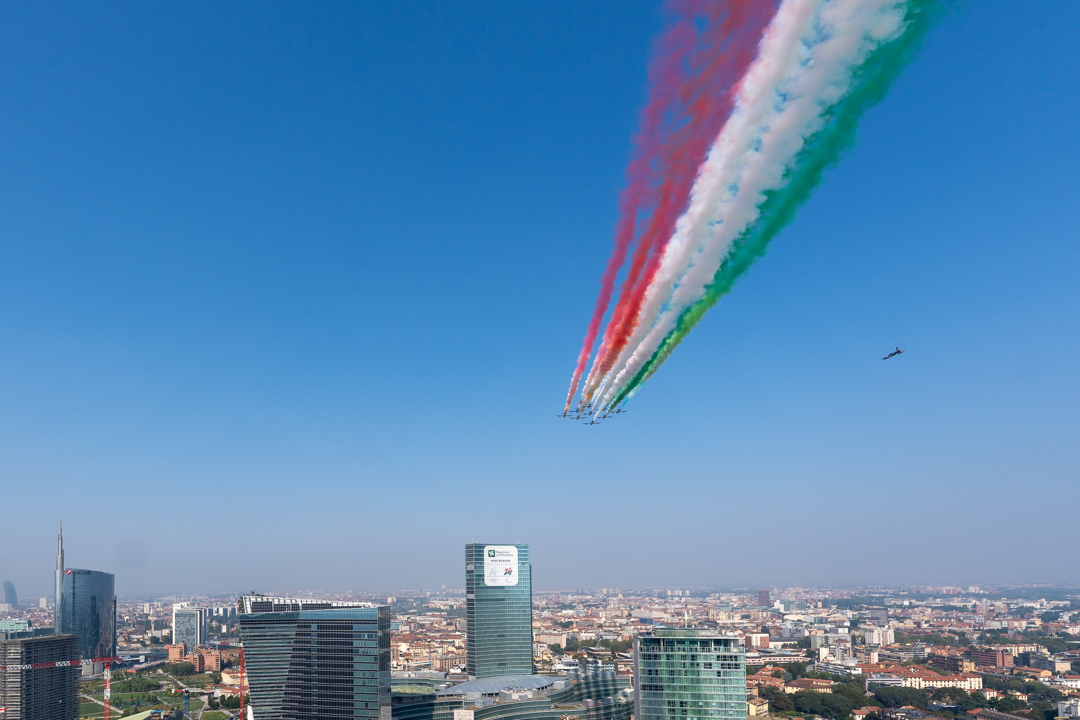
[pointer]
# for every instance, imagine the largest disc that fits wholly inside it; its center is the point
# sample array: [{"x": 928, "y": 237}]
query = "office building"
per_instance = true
[
  {"x": 878, "y": 615},
  {"x": 86, "y": 608},
  {"x": 498, "y": 610},
  {"x": 689, "y": 674},
  {"x": 50, "y": 693},
  {"x": 763, "y": 598},
  {"x": 10, "y": 596},
  {"x": 316, "y": 660},
  {"x": 189, "y": 626}
]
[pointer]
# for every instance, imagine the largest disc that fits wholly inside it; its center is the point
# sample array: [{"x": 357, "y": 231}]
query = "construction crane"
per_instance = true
[
  {"x": 107, "y": 676},
  {"x": 108, "y": 661}
]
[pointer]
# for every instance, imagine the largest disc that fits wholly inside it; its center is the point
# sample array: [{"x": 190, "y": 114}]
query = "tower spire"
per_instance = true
[{"x": 59, "y": 585}]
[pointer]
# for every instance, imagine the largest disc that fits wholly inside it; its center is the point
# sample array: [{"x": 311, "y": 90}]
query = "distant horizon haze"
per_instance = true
[{"x": 291, "y": 294}]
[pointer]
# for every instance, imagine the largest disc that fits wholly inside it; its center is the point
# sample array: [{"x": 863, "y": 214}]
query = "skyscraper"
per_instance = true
[
  {"x": 763, "y": 598},
  {"x": 41, "y": 693},
  {"x": 85, "y": 607},
  {"x": 189, "y": 626},
  {"x": 689, "y": 674},
  {"x": 59, "y": 585},
  {"x": 10, "y": 596},
  {"x": 315, "y": 659},
  {"x": 498, "y": 610}
]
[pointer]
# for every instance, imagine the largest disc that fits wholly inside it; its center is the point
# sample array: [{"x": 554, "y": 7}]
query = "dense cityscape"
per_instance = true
[{"x": 499, "y": 649}]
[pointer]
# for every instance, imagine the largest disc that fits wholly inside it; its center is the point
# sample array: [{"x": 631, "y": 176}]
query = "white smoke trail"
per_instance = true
[{"x": 804, "y": 66}]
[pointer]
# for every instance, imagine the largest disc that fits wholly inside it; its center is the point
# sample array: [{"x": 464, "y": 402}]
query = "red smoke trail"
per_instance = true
[
  {"x": 722, "y": 50},
  {"x": 665, "y": 77}
]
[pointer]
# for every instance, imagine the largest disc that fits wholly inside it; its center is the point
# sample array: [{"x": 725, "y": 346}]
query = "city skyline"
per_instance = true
[
  {"x": 33, "y": 595},
  {"x": 284, "y": 262}
]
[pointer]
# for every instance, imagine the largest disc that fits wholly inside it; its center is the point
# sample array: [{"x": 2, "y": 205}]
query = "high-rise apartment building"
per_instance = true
[
  {"x": 498, "y": 610},
  {"x": 86, "y": 608},
  {"x": 189, "y": 626},
  {"x": 763, "y": 598},
  {"x": 689, "y": 674},
  {"x": 50, "y": 693},
  {"x": 315, "y": 659}
]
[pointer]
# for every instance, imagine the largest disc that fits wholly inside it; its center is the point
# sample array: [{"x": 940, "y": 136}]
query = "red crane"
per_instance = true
[{"x": 72, "y": 663}]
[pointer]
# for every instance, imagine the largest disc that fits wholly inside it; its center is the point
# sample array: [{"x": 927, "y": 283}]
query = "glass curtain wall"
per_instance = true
[
  {"x": 498, "y": 610},
  {"x": 88, "y": 611},
  {"x": 330, "y": 664},
  {"x": 689, "y": 674}
]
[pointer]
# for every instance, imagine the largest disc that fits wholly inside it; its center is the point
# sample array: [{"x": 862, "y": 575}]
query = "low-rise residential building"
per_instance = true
[
  {"x": 811, "y": 684},
  {"x": 757, "y": 706}
]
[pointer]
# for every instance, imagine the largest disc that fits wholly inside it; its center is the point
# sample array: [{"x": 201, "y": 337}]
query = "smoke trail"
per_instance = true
[
  {"x": 863, "y": 45},
  {"x": 726, "y": 36},
  {"x": 665, "y": 77}
]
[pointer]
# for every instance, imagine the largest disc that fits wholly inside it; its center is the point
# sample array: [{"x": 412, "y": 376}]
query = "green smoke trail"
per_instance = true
[{"x": 870, "y": 84}]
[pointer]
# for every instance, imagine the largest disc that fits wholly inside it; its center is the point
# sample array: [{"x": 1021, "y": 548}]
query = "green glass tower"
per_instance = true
[
  {"x": 498, "y": 610},
  {"x": 689, "y": 674}
]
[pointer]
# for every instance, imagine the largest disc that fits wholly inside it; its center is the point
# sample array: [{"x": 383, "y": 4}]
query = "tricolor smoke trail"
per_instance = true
[{"x": 743, "y": 119}]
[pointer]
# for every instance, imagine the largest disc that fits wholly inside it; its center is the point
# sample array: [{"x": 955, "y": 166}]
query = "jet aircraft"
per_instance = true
[{"x": 894, "y": 353}]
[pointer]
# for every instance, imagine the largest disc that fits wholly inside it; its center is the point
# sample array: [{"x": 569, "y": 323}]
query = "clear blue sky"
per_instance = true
[{"x": 290, "y": 295}]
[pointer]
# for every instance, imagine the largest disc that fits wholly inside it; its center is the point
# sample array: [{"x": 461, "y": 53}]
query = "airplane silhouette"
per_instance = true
[{"x": 894, "y": 353}]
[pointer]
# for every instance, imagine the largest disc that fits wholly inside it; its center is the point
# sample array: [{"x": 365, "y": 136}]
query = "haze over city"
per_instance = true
[{"x": 290, "y": 296}]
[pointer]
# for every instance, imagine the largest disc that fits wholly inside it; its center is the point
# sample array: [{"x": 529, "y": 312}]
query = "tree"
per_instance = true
[
  {"x": 779, "y": 701},
  {"x": 181, "y": 668},
  {"x": 809, "y": 702},
  {"x": 135, "y": 685},
  {"x": 797, "y": 670},
  {"x": 1041, "y": 710},
  {"x": 1006, "y": 704},
  {"x": 898, "y": 696}
]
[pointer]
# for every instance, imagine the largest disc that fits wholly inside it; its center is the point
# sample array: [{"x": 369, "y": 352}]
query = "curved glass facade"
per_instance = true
[
  {"x": 688, "y": 674},
  {"x": 498, "y": 610},
  {"x": 10, "y": 596},
  {"x": 88, "y": 611},
  {"x": 599, "y": 696}
]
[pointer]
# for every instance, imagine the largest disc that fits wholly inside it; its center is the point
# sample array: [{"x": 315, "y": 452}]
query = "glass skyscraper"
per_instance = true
[
  {"x": 689, "y": 674},
  {"x": 88, "y": 611},
  {"x": 316, "y": 660},
  {"x": 85, "y": 607},
  {"x": 189, "y": 626},
  {"x": 498, "y": 610},
  {"x": 10, "y": 596}
]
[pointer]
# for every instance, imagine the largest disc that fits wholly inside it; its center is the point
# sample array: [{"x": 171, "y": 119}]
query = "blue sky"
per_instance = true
[{"x": 290, "y": 295}]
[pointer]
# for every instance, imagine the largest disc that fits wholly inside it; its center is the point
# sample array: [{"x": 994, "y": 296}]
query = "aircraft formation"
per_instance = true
[{"x": 587, "y": 415}]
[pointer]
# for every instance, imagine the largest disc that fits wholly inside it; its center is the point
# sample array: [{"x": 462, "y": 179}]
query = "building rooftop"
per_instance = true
[
  {"x": 263, "y": 603},
  {"x": 494, "y": 685}
]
